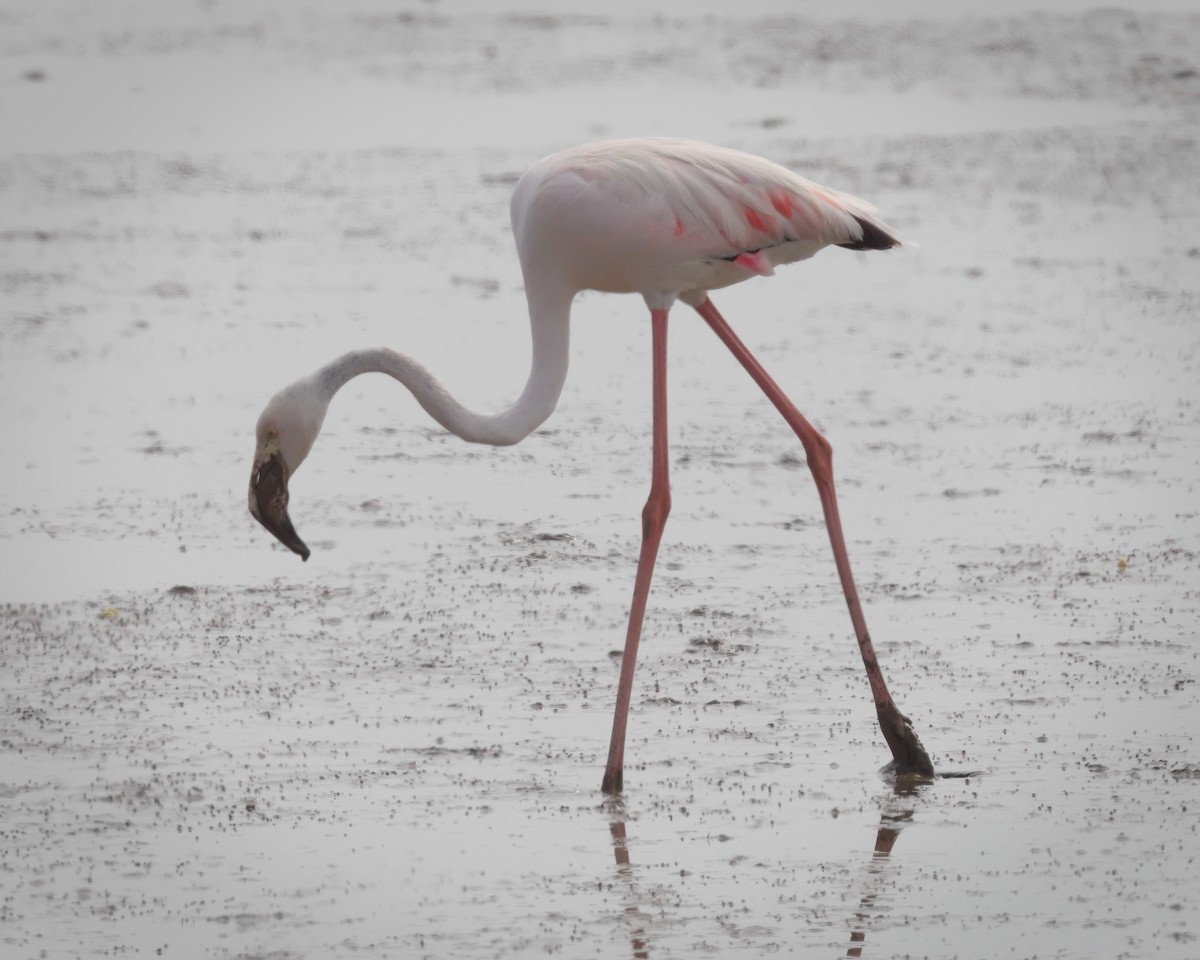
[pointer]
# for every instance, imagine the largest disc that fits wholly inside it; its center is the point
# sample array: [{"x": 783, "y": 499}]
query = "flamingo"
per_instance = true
[{"x": 668, "y": 219}]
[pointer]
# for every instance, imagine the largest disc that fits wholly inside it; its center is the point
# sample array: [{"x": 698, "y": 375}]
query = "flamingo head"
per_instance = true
[{"x": 285, "y": 434}]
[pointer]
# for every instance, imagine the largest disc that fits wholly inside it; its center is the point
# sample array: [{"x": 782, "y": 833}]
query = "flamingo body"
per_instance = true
[
  {"x": 670, "y": 220},
  {"x": 673, "y": 219}
]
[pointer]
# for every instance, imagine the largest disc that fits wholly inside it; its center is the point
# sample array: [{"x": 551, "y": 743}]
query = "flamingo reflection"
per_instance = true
[{"x": 637, "y": 926}]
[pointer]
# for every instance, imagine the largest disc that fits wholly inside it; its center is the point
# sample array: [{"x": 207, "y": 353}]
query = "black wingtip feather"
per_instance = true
[{"x": 874, "y": 237}]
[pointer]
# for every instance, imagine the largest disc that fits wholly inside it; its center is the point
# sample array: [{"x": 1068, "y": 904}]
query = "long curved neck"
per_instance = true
[{"x": 549, "y": 316}]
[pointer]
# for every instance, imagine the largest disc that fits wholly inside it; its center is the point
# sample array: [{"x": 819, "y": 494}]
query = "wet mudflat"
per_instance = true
[{"x": 212, "y": 750}]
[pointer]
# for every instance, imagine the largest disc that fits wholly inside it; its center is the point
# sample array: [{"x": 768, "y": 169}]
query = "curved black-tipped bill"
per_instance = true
[{"x": 269, "y": 501}]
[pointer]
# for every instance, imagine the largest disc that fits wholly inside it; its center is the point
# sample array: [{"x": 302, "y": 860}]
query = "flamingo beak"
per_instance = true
[{"x": 269, "y": 501}]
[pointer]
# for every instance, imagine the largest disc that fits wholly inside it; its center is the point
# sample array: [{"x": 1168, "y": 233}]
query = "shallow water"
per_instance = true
[{"x": 213, "y": 750}]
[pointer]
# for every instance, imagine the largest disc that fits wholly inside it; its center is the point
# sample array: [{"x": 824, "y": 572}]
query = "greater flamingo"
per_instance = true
[{"x": 671, "y": 220}]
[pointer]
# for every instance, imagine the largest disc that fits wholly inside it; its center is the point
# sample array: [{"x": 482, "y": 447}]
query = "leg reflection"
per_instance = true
[
  {"x": 896, "y": 814},
  {"x": 633, "y": 914}
]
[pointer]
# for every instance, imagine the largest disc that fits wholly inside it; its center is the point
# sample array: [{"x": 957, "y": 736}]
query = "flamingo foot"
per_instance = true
[
  {"x": 908, "y": 755},
  {"x": 614, "y": 783}
]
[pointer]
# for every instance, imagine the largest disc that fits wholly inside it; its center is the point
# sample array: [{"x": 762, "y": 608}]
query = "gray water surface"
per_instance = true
[{"x": 212, "y": 750}]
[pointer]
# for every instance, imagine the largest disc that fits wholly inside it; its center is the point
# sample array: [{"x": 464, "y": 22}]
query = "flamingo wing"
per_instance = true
[
  {"x": 663, "y": 217},
  {"x": 733, "y": 201}
]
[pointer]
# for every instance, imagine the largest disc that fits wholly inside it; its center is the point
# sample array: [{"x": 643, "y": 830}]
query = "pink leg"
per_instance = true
[
  {"x": 907, "y": 753},
  {"x": 654, "y": 518}
]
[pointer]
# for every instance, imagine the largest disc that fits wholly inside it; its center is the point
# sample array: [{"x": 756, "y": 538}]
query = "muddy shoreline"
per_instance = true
[{"x": 212, "y": 750}]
